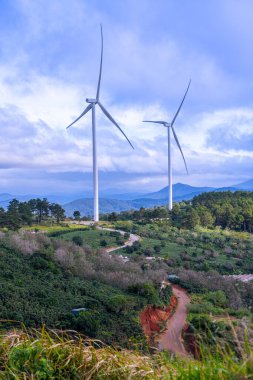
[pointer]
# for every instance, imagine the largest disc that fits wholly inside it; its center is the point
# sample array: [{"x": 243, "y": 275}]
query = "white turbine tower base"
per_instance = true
[
  {"x": 169, "y": 171},
  {"x": 92, "y": 106},
  {"x": 170, "y": 128}
]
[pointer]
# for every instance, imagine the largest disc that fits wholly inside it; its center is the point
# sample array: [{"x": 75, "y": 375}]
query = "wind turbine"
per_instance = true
[
  {"x": 92, "y": 106},
  {"x": 170, "y": 126}
]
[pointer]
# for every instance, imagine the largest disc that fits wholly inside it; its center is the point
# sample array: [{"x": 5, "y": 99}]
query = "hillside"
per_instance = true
[
  {"x": 51, "y": 355},
  {"x": 159, "y": 198},
  {"x": 179, "y": 190},
  {"x": 42, "y": 279},
  {"x": 85, "y": 206}
]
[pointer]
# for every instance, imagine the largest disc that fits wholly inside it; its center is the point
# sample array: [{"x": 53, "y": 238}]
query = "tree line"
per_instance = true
[
  {"x": 226, "y": 209},
  {"x": 36, "y": 210}
]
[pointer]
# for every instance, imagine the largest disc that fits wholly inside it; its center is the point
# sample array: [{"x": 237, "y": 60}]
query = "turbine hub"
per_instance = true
[{"x": 91, "y": 100}]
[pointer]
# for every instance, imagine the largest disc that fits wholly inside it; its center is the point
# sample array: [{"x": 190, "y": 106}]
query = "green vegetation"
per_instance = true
[
  {"x": 49, "y": 269},
  {"x": 52, "y": 355},
  {"x": 91, "y": 237},
  {"x": 224, "y": 209},
  {"x": 25, "y": 213},
  {"x": 227, "y": 252},
  {"x": 43, "y": 279}
]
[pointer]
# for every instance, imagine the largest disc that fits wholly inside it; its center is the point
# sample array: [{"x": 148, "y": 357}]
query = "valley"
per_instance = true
[{"x": 115, "y": 271}]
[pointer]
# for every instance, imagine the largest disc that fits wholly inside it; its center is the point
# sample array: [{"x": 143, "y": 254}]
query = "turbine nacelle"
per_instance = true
[
  {"x": 171, "y": 125},
  {"x": 88, "y": 100},
  {"x": 93, "y": 102}
]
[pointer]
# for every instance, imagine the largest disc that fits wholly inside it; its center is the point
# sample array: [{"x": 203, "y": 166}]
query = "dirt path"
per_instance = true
[
  {"x": 171, "y": 338},
  {"x": 128, "y": 243}
]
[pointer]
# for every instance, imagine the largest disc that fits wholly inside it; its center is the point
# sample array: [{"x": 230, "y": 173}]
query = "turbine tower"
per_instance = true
[
  {"x": 92, "y": 106},
  {"x": 170, "y": 127}
]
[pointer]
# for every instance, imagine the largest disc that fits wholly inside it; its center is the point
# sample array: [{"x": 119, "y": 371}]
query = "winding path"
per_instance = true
[
  {"x": 171, "y": 339},
  {"x": 128, "y": 243}
]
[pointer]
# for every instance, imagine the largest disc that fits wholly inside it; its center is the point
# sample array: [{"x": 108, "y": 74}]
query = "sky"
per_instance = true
[{"x": 49, "y": 62}]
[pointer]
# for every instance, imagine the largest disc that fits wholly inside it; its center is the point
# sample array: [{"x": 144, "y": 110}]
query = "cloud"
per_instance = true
[{"x": 49, "y": 65}]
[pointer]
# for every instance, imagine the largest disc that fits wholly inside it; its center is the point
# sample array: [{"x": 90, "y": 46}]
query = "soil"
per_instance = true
[{"x": 171, "y": 339}]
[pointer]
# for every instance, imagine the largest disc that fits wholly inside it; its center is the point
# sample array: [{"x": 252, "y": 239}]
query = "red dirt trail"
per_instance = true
[
  {"x": 153, "y": 318},
  {"x": 171, "y": 339}
]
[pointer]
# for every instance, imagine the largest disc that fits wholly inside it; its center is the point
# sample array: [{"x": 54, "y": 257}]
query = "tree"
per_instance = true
[
  {"x": 13, "y": 218},
  {"x": 25, "y": 213},
  {"x": 103, "y": 243},
  {"x": 112, "y": 217},
  {"x": 2, "y": 217},
  {"x": 206, "y": 218},
  {"x": 191, "y": 219},
  {"x": 77, "y": 215},
  {"x": 78, "y": 240},
  {"x": 57, "y": 211},
  {"x": 39, "y": 207}
]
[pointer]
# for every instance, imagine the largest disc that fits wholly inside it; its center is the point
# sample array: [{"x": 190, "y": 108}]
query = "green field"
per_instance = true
[
  {"x": 54, "y": 227},
  {"x": 227, "y": 252},
  {"x": 95, "y": 238}
]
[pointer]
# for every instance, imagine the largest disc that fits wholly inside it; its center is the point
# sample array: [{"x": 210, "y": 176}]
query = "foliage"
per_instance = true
[
  {"x": 227, "y": 252},
  {"x": 43, "y": 279},
  {"x": 25, "y": 213},
  {"x": 226, "y": 209},
  {"x": 91, "y": 237},
  {"x": 56, "y": 355}
]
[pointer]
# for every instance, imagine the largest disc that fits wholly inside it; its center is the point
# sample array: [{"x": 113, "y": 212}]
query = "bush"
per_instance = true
[
  {"x": 78, "y": 240},
  {"x": 217, "y": 298},
  {"x": 88, "y": 321},
  {"x": 147, "y": 291},
  {"x": 103, "y": 243}
]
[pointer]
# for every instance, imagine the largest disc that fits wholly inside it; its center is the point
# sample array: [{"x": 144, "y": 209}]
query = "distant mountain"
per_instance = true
[
  {"x": 85, "y": 205},
  {"x": 159, "y": 198},
  {"x": 5, "y": 198},
  {"x": 121, "y": 202},
  {"x": 229, "y": 188},
  {"x": 248, "y": 185},
  {"x": 179, "y": 190},
  {"x": 124, "y": 196}
]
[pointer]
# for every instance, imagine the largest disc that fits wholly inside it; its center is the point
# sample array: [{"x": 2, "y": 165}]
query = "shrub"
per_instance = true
[
  {"x": 78, "y": 240},
  {"x": 23, "y": 244},
  {"x": 103, "y": 243}
]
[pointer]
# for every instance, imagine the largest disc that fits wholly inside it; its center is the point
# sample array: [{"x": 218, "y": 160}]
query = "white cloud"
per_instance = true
[{"x": 45, "y": 80}]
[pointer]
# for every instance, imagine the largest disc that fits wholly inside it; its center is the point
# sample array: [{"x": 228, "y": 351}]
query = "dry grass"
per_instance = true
[{"x": 59, "y": 355}]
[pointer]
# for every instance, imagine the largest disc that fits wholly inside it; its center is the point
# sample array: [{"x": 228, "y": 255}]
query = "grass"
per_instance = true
[
  {"x": 35, "y": 290},
  {"x": 227, "y": 252},
  {"x": 56, "y": 355},
  {"x": 93, "y": 238},
  {"x": 54, "y": 227}
]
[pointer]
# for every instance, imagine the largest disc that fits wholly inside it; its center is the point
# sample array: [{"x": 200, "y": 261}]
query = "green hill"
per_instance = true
[{"x": 43, "y": 279}]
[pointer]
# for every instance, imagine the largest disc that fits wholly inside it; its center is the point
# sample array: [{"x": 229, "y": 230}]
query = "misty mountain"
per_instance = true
[
  {"x": 179, "y": 190},
  {"x": 159, "y": 198},
  {"x": 248, "y": 185},
  {"x": 111, "y": 201},
  {"x": 124, "y": 202}
]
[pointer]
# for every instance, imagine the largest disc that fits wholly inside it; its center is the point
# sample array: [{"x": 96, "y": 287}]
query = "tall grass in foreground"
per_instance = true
[{"x": 58, "y": 355}]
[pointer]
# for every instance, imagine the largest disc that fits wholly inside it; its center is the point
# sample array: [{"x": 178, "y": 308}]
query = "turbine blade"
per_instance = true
[
  {"x": 114, "y": 122},
  {"x": 174, "y": 119},
  {"x": 82, "y": 114},
  {"x": 175, "y": 136},
  {"x": 152, "y": 121},
  {"x": 101, "y": 64}
]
